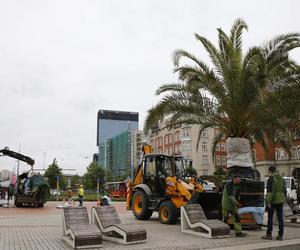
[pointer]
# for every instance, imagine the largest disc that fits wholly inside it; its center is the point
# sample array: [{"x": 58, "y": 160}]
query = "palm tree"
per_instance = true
[{"x": 255, "y": 95}]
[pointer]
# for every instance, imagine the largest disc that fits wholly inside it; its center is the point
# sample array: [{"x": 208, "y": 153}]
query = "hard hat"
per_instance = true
[{"x": 81, "y": 185}]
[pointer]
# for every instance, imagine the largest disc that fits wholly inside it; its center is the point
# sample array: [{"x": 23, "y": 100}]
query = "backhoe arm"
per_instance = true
[{"x": 16, "y": 155}]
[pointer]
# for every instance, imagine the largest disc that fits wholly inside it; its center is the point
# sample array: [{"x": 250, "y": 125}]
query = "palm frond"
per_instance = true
[{"x": 236, "y": 33}]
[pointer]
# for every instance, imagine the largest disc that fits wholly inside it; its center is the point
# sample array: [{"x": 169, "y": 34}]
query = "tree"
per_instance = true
[
  {"x": 94, "y": 171},
  {"x": 109, "y": 175},
  {"x": 76, "y": 180},
  {"x": 255, "y": 95},
  {"x": 52, "y": 172}
]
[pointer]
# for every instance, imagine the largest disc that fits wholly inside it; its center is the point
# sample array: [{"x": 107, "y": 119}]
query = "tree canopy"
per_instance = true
[
  {"x": 52, "y": 172},
  {"x": 253, "y": 95},
  {"x": 94, "y": 171}
]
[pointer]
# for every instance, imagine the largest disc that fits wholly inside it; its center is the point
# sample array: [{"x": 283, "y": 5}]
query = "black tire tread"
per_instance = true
[
  {"x": 172, "y": 211},
  {"x": 146, "y": 212}
]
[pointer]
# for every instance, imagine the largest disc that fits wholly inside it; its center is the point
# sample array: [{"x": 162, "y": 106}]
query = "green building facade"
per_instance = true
[{"x": 115, "y": 155}]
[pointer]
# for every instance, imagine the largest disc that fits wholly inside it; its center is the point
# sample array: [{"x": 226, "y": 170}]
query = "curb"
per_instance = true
[{"x": 293, "y": 244}]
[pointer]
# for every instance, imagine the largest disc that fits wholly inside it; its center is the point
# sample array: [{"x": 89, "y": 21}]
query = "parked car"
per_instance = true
[{"x": 55, "y": 192}]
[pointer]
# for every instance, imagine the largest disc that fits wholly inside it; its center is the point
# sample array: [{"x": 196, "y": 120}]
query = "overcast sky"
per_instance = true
[{"x": 61, "y": 61}]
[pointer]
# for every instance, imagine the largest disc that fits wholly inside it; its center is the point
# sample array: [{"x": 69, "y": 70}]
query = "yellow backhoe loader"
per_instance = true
[{"x": 160, "y": 185}]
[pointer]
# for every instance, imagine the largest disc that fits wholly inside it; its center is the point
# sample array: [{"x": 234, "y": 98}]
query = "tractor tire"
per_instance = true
[
  {"x": 168, "y": 213},
  {"x": 140, "y": 204}
]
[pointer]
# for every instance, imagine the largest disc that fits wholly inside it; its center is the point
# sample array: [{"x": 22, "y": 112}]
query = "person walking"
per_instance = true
[
  {"x": 230, "y": 204},
  {"x": 81, "y": 195},
  {"x": 276, "y": 197}
]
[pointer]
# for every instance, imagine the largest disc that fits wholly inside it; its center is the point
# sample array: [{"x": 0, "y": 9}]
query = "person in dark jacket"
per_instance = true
[
  {"x": 276, "y": 197},
  {"x": 230, "y": 204}
]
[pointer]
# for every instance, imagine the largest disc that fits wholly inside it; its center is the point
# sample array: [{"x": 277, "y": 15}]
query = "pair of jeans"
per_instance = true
[{"x": 279, "y": 211}]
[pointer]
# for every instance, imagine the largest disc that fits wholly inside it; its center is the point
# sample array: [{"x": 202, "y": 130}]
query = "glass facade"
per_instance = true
[
  {"x": 114, "y": 129},
  {"x": 112, "y": 123},
  {"x": 116, "y": 153}
]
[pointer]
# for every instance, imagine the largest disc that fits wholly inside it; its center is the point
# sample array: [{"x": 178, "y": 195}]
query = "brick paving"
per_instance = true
[{"x": 41, "y": 228}]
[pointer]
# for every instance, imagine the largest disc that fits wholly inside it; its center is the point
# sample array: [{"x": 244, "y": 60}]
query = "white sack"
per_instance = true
[{"x": 238, "y": 152}]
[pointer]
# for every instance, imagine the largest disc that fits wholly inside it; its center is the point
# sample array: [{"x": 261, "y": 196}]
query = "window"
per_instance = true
[
  {"x": 177, "y": 136},
  {"x": 204, "y": 159},
  {"x": 296, "y": 134},
  {"x": 186, "y": 133},
  {"x": 218, "y": 160},
  {"x": 164, "y": 166},
  {"x": 150, "y": 167},
  {"x": 205, "y": 171},
  {"x": 176, "y": 149},
  {"x": 204, "y": 146},
  {"x": 223, "y": 160},
  {"x": 277, "y": 154},
  {"x": 170, "y": 139},
  {"x": 296, "y": 152},
  {"x": 217, "y": 131},
  {"x": 280, "y": 154},
  {"x": 218, "y": 147},
  {"x": 179, "y": 149},
  {"x": 186, "y": 147},
  {"x": 223, "y": 146},
  {"x": 204, "y": 133}
]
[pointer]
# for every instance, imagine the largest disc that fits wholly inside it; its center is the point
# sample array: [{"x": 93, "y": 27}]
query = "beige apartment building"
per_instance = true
[{"x": 182, "y": 140}]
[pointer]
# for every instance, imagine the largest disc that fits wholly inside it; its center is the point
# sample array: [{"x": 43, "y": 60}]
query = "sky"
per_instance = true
[{"x": 63, "y": 60}]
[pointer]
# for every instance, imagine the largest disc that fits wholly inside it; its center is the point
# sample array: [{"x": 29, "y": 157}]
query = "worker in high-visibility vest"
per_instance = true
[{"x": 80, "y": 195}]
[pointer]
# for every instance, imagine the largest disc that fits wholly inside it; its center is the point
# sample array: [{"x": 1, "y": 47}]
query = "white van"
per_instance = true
[{"x": 291, "y": 189}]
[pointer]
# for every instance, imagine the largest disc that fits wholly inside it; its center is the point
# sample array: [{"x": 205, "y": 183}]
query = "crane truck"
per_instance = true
[{"x": 31, "y": 189}]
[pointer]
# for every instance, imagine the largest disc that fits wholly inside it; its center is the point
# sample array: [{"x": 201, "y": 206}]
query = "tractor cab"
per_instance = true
[
  {"x": 180, "y": 166},
  {"x": 156, "y": 168}
]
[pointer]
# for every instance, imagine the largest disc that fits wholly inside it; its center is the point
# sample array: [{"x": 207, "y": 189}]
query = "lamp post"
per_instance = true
[
  {"x": 18, "y": 166},
  {"x": 132, "y": 155},
  {"x": 98, "y": 200},
  {"x": 57, "y": 187}
]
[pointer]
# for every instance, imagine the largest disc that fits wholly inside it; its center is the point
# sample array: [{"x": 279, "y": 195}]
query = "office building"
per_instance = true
[{"x": 111, "y": 123}]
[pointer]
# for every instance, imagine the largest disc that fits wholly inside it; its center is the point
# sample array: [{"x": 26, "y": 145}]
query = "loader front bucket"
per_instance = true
[{"x": 210, "y": 202}]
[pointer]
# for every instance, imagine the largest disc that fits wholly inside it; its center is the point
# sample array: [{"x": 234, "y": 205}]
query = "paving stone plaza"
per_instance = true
[{"x": 41, "y": 228}]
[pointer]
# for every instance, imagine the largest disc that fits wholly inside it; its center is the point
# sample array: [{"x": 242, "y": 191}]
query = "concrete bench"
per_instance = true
[
  {"x": 77, "y": 230},
  {"x": 108, "y": 221},
  {"x": 194, "y": 221}
]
